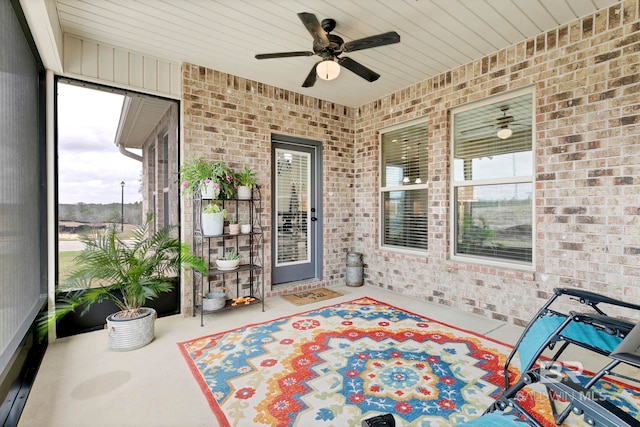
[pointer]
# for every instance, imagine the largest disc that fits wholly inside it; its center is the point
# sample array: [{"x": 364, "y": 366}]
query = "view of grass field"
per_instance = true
[
  {"x": 70, "y": 246},
  {"x": 65, "y": 264}
]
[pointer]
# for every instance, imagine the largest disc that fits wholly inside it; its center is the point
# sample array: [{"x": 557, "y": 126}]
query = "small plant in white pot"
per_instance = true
[
  {"x": 245, "y": 227},
  {"x": 230, "y": 261},
  {"x": 246, "y": 180},
  {"x": 213, "y": 217}
]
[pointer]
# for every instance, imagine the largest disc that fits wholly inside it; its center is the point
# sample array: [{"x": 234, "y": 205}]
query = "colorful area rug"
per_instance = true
[
  {"x": 314, "y": 295},
  {"x": 338, "y": 365}
]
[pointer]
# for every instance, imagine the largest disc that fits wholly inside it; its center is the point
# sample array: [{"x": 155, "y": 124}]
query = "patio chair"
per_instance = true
[
  {"x": 595, "y": 410},
  {"x": 627, "y": 352},
  {"x": 595, "y": 331}
]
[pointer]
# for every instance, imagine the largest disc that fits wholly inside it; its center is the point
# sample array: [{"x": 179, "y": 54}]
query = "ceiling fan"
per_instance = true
[
  {"x": 504, "y": 124},
  {"x": 330, "y": 46}
]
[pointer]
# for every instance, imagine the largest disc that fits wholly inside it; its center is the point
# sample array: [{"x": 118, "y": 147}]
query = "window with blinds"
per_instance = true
[
  {"x": 403, "y": 189},
  {"x": 492, "y": 212}
]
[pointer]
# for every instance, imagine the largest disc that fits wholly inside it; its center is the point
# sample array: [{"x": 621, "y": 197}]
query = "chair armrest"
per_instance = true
[
  {"x": 595, "y": 409},
  {"x": 592, "y": 299},
  {"x": 611, "y": 325},
  {"x": 629, "y": 349}
]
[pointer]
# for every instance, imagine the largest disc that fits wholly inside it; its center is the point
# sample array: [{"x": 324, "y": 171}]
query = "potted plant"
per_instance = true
[
  {"x": 234, "y": 227},
  {"x": 195, "y": 172},
  {"x": 227, "y": 180},
  {"x": 213, "y": 217},
  {"x": 245, "y": 227},
  {"x": 230, "y": 261},
  {"x": 246, "y": 180},
  {"x": 127, "y": 273}
]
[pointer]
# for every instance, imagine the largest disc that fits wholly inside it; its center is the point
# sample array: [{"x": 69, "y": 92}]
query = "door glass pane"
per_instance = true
[{"x": 291, "y": 202}]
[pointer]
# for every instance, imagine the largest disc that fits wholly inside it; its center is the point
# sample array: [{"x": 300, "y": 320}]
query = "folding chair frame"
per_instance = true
[{"x": 610, "y": 325}]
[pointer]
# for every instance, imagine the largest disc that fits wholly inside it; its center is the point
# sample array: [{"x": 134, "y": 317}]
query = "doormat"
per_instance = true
[{"x": 307, "y": 297}]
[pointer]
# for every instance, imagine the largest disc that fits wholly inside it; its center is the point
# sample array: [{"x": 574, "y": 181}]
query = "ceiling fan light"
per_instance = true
[
  {"x": 328, "y": 69},
  {"x": 504, "y": 133}
]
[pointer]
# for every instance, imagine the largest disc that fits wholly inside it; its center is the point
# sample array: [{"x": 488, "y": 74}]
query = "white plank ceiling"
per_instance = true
[{"x": 436, "y": 35}]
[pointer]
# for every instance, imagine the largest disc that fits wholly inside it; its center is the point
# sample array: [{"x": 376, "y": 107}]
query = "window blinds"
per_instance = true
[{"x": 404, "y": 158}]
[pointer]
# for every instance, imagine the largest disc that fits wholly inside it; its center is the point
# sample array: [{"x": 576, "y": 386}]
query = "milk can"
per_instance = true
[{"x": 353, "y": 273}]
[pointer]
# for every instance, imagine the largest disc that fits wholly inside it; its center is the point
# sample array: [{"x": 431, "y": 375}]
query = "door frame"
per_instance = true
[{"x": 315, "y": 227}]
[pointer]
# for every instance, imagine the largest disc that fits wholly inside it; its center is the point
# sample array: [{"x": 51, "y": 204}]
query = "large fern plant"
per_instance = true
[{"x": 128, "y": 273}]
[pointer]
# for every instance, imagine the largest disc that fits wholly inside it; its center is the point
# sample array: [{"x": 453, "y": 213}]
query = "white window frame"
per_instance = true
[
  {"x": 411, "y": 187},
  {"x": 514, "y": 264}
]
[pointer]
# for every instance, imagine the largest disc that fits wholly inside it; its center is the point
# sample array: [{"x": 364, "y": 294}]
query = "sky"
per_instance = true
[{"x": 90, "y": 167}]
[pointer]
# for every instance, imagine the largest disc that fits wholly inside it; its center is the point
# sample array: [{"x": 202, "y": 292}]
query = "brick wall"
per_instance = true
[
  {"x": 587, "y": 106},
  {"x": 153, "y": 170},
  {"x": 232, "y": 119},
  {"x": 587, "y": 81}
]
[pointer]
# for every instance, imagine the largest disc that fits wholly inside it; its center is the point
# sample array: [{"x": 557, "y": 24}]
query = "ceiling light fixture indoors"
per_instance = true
[
  {"x": 504, "y": 133},
  {"x": 328, "y": 69}
]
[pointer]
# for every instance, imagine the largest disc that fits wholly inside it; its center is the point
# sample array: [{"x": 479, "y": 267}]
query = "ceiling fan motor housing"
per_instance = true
[{"x": 334, "y": 49}]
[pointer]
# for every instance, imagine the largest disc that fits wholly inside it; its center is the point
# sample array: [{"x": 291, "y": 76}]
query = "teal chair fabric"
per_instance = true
[
  {"x": 496, "y": 419},
  {"x": 575, "y": 332},
  {"x": 588, "y": 327}
]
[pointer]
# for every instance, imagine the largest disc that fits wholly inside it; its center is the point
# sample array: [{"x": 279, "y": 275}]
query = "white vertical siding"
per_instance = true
[{"x": 106, "y": 64}]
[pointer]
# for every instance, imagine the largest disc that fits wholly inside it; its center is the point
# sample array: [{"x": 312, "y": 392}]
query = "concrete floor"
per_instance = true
[{"x": 82, "y": 383}]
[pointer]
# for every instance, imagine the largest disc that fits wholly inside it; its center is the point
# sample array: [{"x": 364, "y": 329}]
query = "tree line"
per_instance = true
[{"x": 96, "y": 212}]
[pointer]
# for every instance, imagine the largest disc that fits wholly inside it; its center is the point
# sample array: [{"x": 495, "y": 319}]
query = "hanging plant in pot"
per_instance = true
[
  {"x": 127, "y": 273},
  {"x": 246, "y": 180},
  {"x": 213, "y": 217}
]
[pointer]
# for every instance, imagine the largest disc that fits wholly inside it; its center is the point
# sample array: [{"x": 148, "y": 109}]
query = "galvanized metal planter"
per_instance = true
[{"x": 130, "y": 334}]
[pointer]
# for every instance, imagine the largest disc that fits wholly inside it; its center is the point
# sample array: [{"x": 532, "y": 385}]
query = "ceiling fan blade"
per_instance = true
[
  {"x": 372, "y": 41},
  {"x": 315, "y": 29},
  {"x": 283, "y": 54},
  {"x": 359, "y": 69},
  {"x": 312, "y": 77},
  {"x": 481, "y": 128}
]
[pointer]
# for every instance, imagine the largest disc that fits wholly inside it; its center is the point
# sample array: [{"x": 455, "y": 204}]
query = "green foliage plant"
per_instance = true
[
  {"x": 247, "y": 177},
  {"x": 127, "y": 273},
  {"x": 227, "y": 179},
  {"x": 215, "y": 208},
  {"x": 194, "y": 172},
  {"x": 231, "y": 254}
]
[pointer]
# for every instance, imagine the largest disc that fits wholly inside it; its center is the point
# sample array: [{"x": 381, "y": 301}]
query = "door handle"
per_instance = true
[{"x": 313, "y": 218}]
